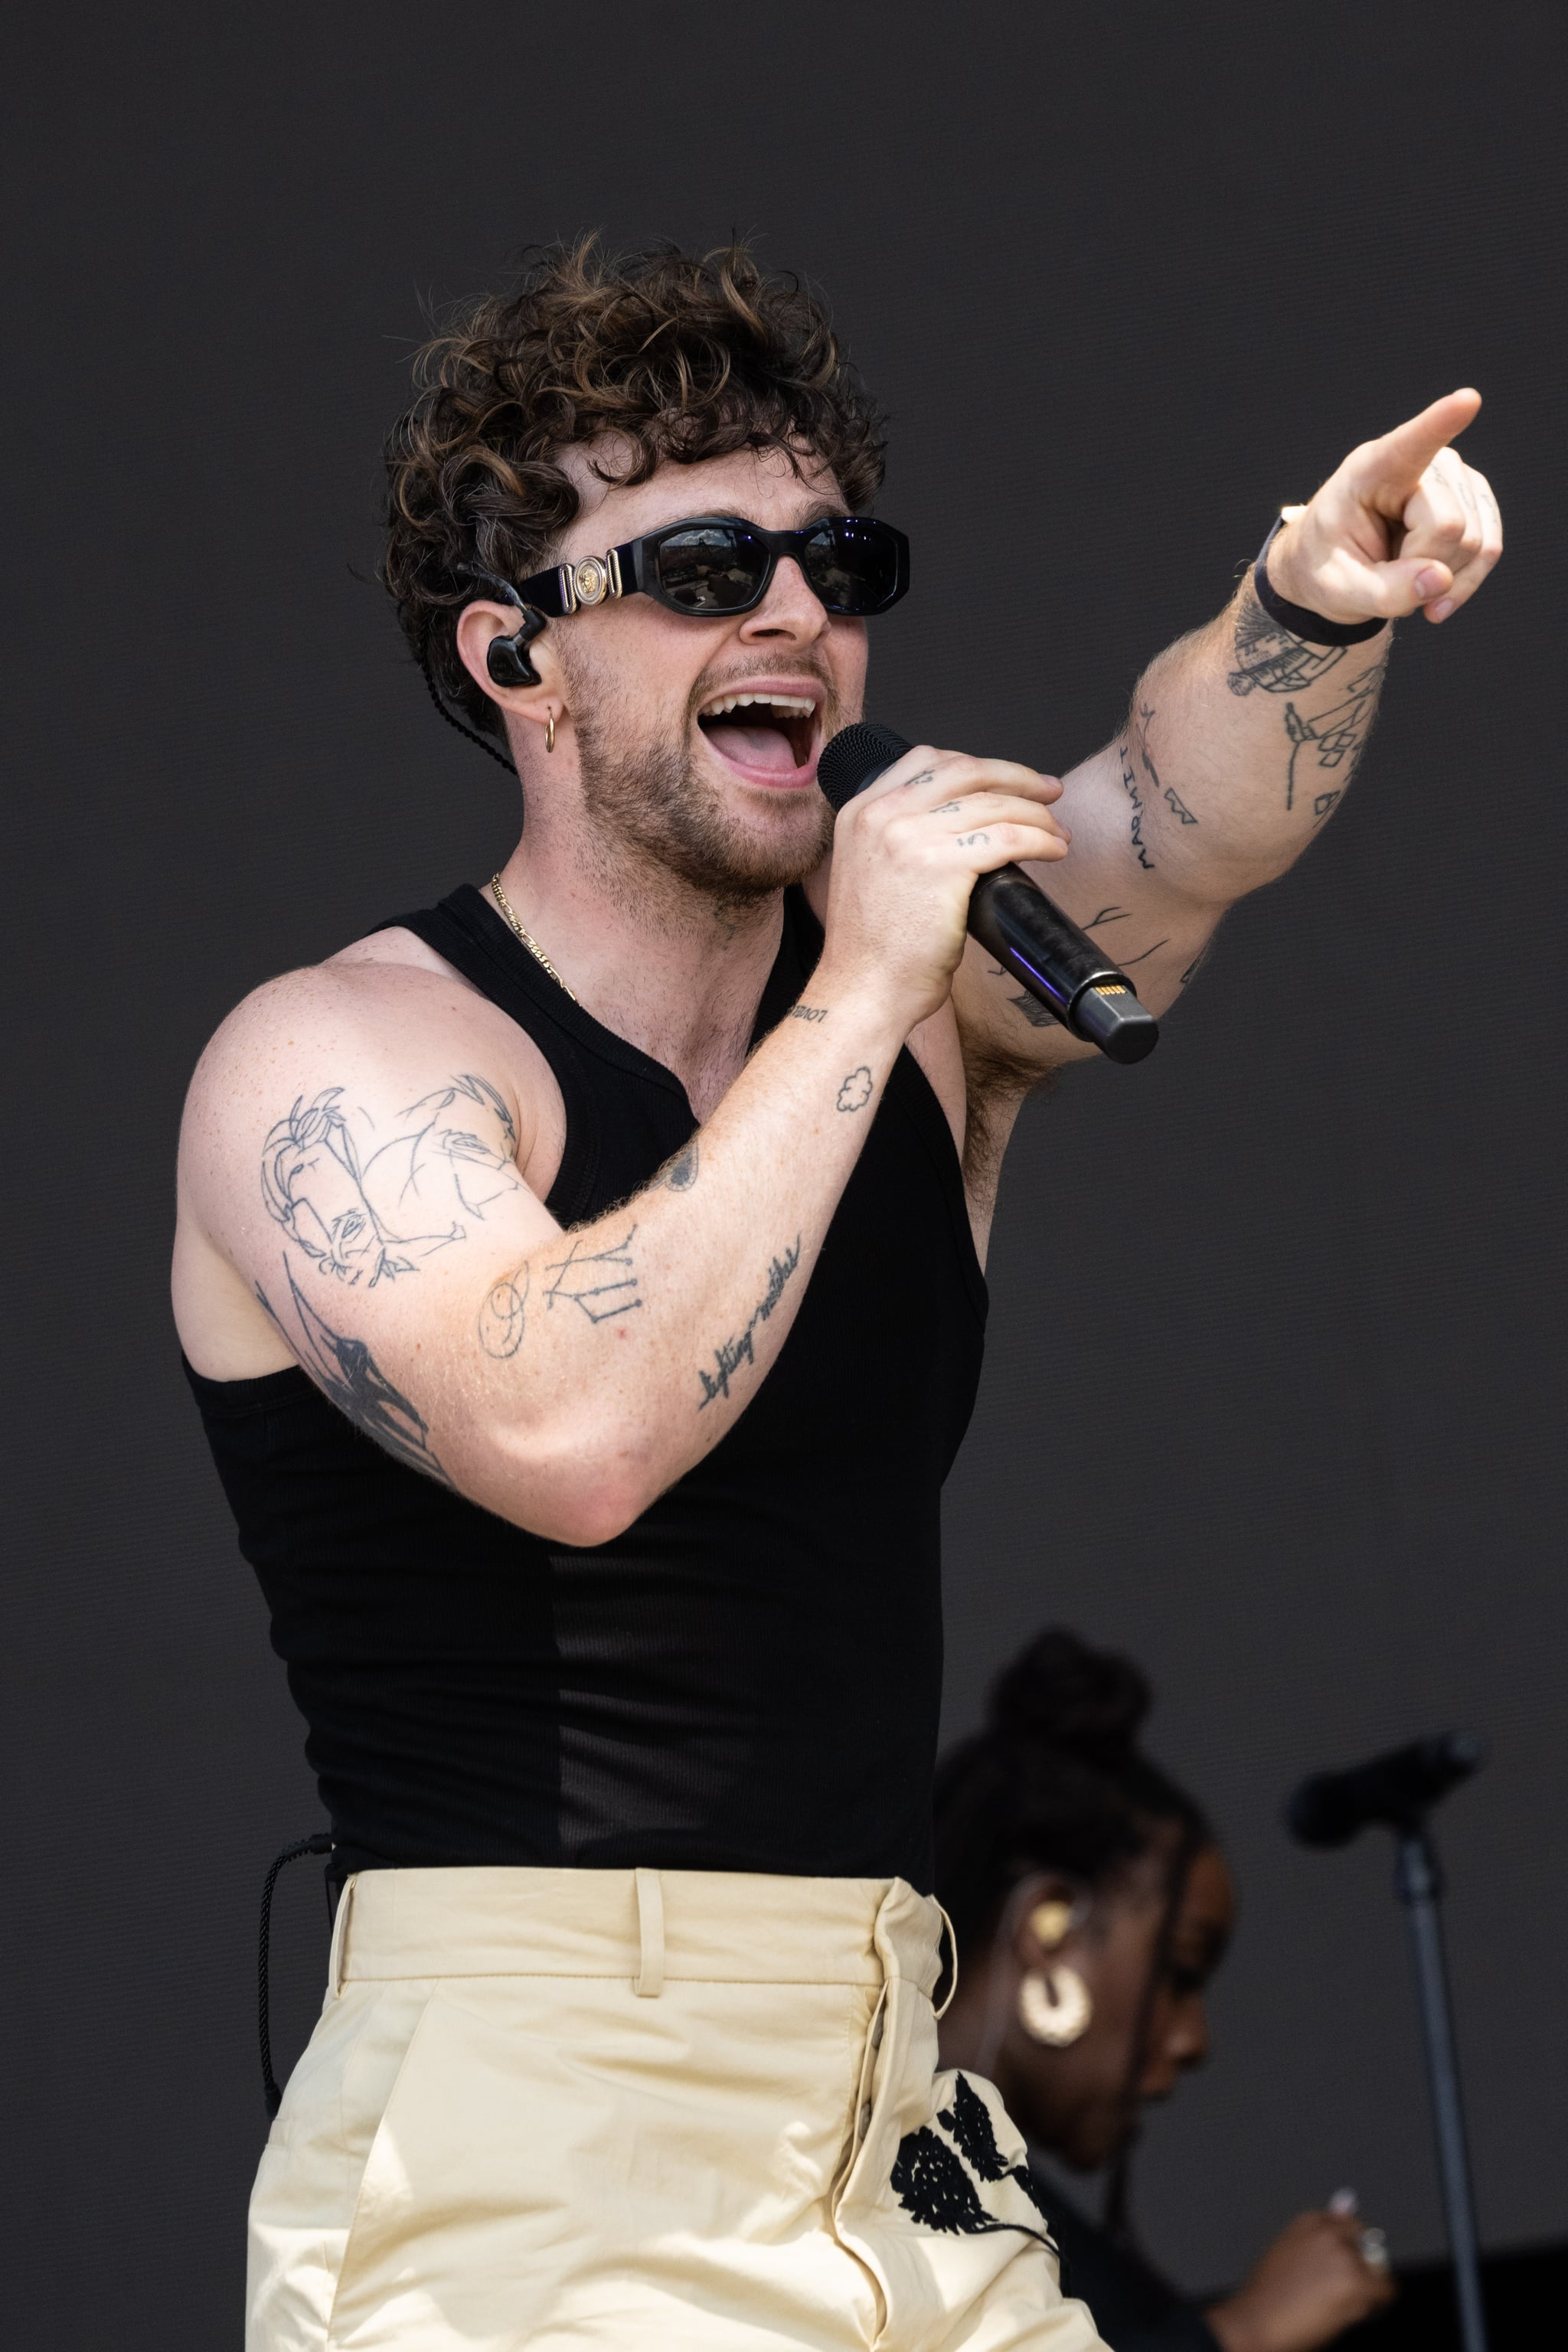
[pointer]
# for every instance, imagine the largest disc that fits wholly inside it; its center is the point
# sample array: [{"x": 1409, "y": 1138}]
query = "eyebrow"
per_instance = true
[{"x": 820, "y": 510}]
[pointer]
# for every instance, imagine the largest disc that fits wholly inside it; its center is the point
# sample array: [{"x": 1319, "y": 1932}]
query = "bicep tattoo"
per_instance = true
[
  {"x": 366, "y": 1211},
  {"x": 349, "y": 1375}
]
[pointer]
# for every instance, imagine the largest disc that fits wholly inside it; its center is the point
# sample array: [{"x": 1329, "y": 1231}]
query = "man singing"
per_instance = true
[{"x": 581, "y": 1285}]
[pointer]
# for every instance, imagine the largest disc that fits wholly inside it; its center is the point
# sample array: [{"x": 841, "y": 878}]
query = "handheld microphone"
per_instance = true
[
  {"x": 1395, "y": 1788},
  {"x": 1012, "y": 917}
]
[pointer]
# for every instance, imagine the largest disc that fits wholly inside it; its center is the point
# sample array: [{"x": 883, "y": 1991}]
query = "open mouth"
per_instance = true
[{"x": 770, "y": 736}]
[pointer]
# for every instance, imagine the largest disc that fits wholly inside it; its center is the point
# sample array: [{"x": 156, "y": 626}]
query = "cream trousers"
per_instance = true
[{"x": 641, "y": 2108}]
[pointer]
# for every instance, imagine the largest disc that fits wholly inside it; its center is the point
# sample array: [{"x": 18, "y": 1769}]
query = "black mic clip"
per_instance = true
[{"x": 1397, "y": 1790}]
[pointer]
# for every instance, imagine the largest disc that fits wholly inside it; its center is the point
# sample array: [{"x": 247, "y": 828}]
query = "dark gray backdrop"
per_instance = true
[{"x": 1271, "y": 1397}]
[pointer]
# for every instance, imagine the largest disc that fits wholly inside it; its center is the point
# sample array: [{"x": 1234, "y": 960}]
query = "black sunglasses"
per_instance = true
[{"x": 713, "y": 565}]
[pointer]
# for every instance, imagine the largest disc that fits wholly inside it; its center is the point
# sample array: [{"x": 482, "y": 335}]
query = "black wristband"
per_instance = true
[{"x": 1296, "y": 618}]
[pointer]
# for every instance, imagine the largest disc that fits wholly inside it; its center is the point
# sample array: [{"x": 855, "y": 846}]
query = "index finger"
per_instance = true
[
  {"x": 924, "y": 778},
  {"x": 1400, "y": 459}
]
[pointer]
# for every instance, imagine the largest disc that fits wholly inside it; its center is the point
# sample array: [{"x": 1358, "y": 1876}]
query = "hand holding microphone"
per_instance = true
[{"x": 969, "y": 840}]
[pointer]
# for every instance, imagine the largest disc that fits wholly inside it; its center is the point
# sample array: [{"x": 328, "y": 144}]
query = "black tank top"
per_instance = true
[{"x": 748, "y": 1678}]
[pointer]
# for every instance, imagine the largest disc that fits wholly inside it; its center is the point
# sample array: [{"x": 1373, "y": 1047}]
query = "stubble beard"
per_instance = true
[{"x": 658, "y": 821}]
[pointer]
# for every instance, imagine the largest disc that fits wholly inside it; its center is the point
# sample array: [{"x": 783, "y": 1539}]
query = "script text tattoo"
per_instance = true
[
  {"x": 1140, "y": 810},
  {"x": 731, "y": 1354}
]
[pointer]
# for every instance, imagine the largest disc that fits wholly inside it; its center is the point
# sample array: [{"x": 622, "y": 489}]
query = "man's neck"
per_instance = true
[{"x": 672, "y": 970}]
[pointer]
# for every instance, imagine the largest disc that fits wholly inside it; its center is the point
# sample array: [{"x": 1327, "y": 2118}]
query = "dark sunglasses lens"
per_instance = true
[
  {"x": 710, "y": 567},
  {"x": 853, "y": 565}
]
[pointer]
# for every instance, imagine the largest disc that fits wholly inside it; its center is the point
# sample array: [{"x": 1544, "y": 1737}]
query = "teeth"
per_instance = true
[{"x": 800, "y": 705}]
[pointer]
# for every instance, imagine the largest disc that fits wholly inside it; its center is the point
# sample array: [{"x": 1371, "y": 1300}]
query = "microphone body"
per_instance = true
[
  {"x": 1030, "y": 938},
  {"x": 1395, "y": 1788}
]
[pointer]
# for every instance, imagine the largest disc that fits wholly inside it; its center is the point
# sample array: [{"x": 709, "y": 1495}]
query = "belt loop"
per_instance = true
[
  {"x": 338, "y": 1954},
  {"x": 649, "y": 1981},
  {"x": 952, "y": 1962}
]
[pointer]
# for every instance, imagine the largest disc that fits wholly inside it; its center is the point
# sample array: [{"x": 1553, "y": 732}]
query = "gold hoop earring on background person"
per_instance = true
[
  {"x": 1053, "y": 2006},
  {"x": 549, "y": 730}
]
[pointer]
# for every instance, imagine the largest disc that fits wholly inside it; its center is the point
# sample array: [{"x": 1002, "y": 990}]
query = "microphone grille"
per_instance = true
[{"x": 855, "y": 758}]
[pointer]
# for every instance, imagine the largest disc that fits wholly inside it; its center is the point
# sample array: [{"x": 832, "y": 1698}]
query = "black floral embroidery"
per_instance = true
[
  {"x": 930, "y": 2181},
  {"x": 1031, "y": 2189},
  {"x": 969, "y": 2121}
]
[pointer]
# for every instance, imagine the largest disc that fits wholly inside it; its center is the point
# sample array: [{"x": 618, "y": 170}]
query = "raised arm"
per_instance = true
[
  {"x": 352, "y": 1155},
  {"x": 1243, "y": 738}
]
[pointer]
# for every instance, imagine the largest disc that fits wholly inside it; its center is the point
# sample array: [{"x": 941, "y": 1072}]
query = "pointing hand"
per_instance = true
[{"x": 1403, "y": 525}]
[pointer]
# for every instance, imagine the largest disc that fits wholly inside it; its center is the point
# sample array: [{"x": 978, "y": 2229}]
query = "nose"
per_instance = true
[{"x": 790, "y": 609}]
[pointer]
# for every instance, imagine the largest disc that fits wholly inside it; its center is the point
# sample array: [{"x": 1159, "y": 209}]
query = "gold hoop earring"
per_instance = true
[
  {"x": 549, "y": 730},
  {"x": 1055, "y": 2009}
]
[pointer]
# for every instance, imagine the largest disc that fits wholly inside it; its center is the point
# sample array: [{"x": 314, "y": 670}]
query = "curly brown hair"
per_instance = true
[{"x": 678, "y": 357}]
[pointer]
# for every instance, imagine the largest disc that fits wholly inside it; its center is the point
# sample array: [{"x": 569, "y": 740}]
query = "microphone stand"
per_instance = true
[{"x": 1418, "y": 1883}]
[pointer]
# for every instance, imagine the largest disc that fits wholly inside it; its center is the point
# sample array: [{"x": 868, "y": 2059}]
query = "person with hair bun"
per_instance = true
[{"x": 1091, "y": 1904}]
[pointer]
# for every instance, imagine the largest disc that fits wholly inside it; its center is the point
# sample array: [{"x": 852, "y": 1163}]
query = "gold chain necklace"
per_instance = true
[{"x": 528, "y": 941}]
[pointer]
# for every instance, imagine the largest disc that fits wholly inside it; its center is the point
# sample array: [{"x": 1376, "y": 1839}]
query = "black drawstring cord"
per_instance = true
[
  {"x": 461, "y": 725},
  {"x": 319, "y": 1843},
  {"x": 447, "y": 713}
]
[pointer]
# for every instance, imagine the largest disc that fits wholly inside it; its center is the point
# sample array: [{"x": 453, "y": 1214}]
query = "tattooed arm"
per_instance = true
[
  {"x": 352, "y": 1194},
  {"x": 1243, "y": 738}
]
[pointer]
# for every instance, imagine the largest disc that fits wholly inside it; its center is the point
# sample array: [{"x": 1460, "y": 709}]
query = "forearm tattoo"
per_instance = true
[
  {"x": 503, "y": 1316},
  {"x": 731, "y": 1354},
  {"x": 679, "y": 1174},
  {"x": 1269, "y": 660},
  {"x": 1333, "y": 739},
  {"x": 1130, "y": 786},
  {"x": 601, "y": 1283},
  {"x": 589, "y": 1280}
]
